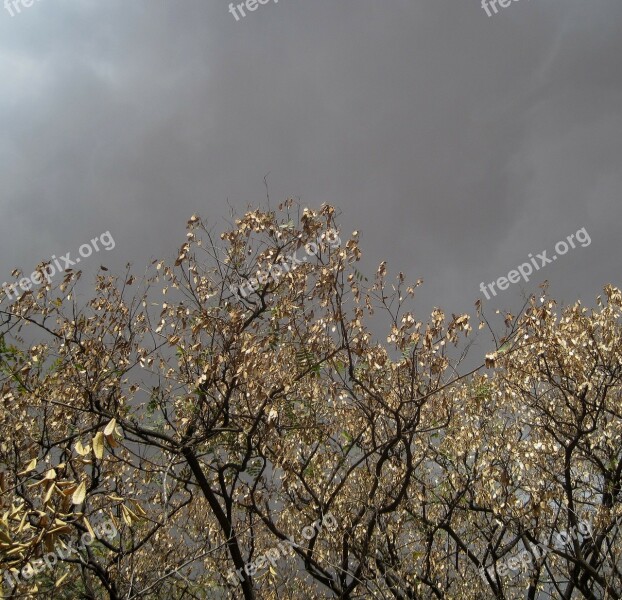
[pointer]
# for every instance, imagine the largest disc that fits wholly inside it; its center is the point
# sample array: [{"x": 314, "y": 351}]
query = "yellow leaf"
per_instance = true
[
  {"x": 51, "y": 474},
  {"x": 80, "y": 449},
  {"x": 98, "y": 445},
  {"x": 139, "y": 508},
  {"x": 89, "y": 528},
  {"x": 61, "y": 579},
  {"x": 79, "y": 494},
  {"x": 22, "y": 523},
  {"x": 32, "y": 465},
  {"x": 48, "y": 495},
  {"x": 58, "y": 529},
  {"x": 126, "y": 514},
  {"x": 110, "y": 427}
]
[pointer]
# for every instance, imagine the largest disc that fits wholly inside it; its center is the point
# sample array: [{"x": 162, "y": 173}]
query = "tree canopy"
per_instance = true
[{"x": 249, "y": 436}]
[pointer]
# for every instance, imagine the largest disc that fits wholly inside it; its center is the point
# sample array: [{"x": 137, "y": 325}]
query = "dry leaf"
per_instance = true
[
  {"x": 32, "y": 465},
  {"x": 98, "y": 445},
  {"x": 89, "y": 528},
  {"x": 109, "y": 429},
  {"x": 79, "y": 494},
  {"x": 80, "y": 449}
]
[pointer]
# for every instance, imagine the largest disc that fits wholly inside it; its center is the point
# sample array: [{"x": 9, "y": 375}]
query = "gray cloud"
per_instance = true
[{"x": 455, "y": 142}]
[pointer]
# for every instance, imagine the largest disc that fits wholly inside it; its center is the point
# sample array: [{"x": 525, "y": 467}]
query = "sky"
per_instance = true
[{"x": 457, "y": 143}]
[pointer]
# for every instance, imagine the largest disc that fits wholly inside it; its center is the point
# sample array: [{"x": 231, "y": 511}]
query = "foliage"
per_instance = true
[{"x": 210, "y": 427}]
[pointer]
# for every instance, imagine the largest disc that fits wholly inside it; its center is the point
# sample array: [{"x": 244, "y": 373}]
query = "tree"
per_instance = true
[{"x": 234, "y": 412}]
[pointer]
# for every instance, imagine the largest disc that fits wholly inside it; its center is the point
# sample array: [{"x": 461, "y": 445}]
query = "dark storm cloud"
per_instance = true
[{"x": 457, "y": 143}]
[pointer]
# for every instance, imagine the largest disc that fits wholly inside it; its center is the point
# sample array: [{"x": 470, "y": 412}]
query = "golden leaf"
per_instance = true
[
  {"x": 32, "y": 465},
  {"x": 22, "y": 523},
  {"x": 89, "y": 528},
  {"x": 79, "y": 494},
  {"x": 49, "y": 493},
  {"x": 80, "y": 449},
  {"x": 51, "y": 474},
  {"x": 126, "y": 514},
  {"x": 98, "y": 445},
  {"x": 138, "y": 508},
  {"x": 110, "y": 427}
]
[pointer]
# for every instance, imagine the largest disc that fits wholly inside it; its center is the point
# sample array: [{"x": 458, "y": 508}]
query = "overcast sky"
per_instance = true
[{"x": 456, "y": 143}]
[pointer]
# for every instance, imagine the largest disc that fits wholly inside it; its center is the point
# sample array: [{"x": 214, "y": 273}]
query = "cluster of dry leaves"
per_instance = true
[{"x": 209, "y": 427}]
